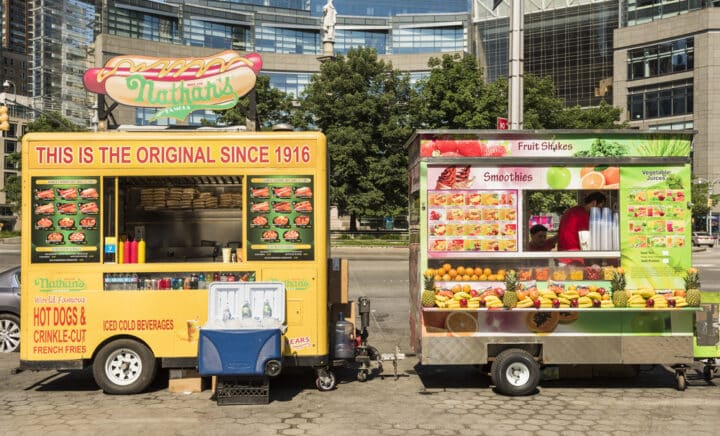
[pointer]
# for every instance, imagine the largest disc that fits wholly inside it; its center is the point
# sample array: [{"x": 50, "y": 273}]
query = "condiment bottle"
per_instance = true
[
  {"x": 133, "y": 251},
  {"x": 141, "y": 251},
  {"x": 126, "y": 251},
  {"x": 121, "y": 250}
]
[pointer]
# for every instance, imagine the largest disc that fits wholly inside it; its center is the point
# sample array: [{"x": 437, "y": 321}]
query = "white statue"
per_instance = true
[{"x": 329, "y": 19}]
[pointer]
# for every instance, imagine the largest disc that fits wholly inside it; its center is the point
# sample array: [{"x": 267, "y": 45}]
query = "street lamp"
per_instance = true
[{"x": 7, "y": 85}]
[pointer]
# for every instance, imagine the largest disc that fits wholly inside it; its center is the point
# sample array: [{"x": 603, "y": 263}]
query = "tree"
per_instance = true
[
  {"x": 47, "y": 122},
  {"x": 361, "y": 104},
  {"x": 273, "y": 107},
  {"x": 454, "y": 96}
]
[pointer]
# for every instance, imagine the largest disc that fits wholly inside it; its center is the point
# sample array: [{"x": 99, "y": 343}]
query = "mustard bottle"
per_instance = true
[
  {"x": 121, "y": 250},
  {"x": 141, "y": 251}
]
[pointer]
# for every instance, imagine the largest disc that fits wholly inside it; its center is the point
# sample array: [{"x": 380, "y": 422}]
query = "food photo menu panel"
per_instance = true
[
  {"x": 462, "y": 222},
  {"x": 280, "y": 219},
  {"x": 65, "y": 219}
]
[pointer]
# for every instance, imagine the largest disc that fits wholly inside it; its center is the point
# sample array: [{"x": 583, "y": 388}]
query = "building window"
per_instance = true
[
  {"x": 216, "y": 35},
  {"x": 645, "y": 11},
  {"x": 142, "y": 25},
  {"x": 196, "y": 118},
  {"x": 661, "y": 100},
  {"x": 661, "y": 59},
  {"x": 289, "y": 83},
  {"x": 10, "y": 147},
  {"x": 347, "y": 39},
  {"x": 682, "y": 125},
  {"x": 428, "y": 40},
  {"x": 287, "y": 41}
]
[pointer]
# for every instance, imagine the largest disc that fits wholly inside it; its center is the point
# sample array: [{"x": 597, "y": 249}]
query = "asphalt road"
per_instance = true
[{"x": 420, "y": 400}]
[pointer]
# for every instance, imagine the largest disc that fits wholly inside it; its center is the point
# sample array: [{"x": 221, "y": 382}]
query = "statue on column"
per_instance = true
[{"x": 329, "y": 19}]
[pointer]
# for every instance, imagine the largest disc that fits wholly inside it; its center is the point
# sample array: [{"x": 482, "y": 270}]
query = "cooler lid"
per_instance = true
[{"x": 252, "y": 305}]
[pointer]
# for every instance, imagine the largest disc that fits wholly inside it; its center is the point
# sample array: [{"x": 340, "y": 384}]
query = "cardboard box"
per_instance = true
[
  {"x": 186, "y": 380},
  {"x": 338, "y": 273}
]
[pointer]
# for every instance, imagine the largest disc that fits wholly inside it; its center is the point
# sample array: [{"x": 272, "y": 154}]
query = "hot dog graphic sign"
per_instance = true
[{"x": 178, "y": 85}]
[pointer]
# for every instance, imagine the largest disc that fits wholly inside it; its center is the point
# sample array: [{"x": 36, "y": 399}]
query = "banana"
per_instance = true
[
  {"x": 569, "y": 295},
  {"x": 492, "y": 298},
  {"x": 636, "y": 305},
  {"x": 681, "y": 304},
  {"x": 594, "y": 295},
  {"x": 636, "y": 299},
  {"x": 606, "y": 303},
  {"x": 585, "y": 305},
  {"x": 441, "y": 298},
  {"x": 462, "y": 295},
  {"x": 563, "y": 301},
  {"x": 525, "y": 302},
  {"x": 441, "y": 304},
  {"x": 548, "y": 294},
  {"x": 585, "y": 300},
  {"x": 564, "y": 306},
  {"x": 474, "y": 299},
  {"x": 473, "y": 305}
]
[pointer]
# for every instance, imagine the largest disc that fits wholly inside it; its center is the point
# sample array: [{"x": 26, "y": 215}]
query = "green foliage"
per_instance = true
[
  {"x": 603, "y": 148},
  {"x": 700, "y": 192},
  {"x": 47, "y": 122},
  {"x": 361, "y": 104},
  {"x": 546, "y": 202},
  {"x": 273, "y": 107}
]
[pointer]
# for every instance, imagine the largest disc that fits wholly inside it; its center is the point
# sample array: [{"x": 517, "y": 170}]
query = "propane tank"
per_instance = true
[{"x": 343, "y": 338}]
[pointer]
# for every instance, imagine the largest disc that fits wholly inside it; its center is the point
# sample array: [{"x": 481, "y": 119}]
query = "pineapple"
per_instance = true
[
  {"x": 428, "y": 293},
  {"x": 617, "y": 286},
  {"x": 511, "y": 286},
  {"x": 692, "y": 287}
]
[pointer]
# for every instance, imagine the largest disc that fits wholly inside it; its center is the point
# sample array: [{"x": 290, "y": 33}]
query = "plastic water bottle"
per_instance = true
[{"x": 343, "y": 338}]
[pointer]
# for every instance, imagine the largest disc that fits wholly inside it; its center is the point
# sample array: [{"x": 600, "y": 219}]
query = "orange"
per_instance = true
[
  {"x": 438, "y": 278},
  {"x": 466, "y": 277},
  {"x": 612, "y": 175},
  {"x": 452, "y": 273},
  {"x": 474, "y": 277},
  {"x": 446, "y": 267},
  {"x": 592, "y": 180},
  {"x": 487, "y": 271},
  {"x": 446, "y": 277},
  {"x": 586, "y": 170},
  {"x": 483, "y": 277},
  {"x": 455, "y": 289},
  {"x": 466, "y": 288},
  {"x": 460, "y": 270},
  {"x": 461, "y": 322},
  {"x": 478, "y": 271}
]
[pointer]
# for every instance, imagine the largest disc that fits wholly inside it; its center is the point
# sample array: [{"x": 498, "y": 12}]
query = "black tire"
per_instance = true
[
  {"x": 681, "y": 380},
  {"x": 708, "y": 372},
  {"x": 9, "y": 333},
  {"x": 362, "y": 375},
  {"x": 515, "y": 372},
  {"x": 325, "y": 381},
  {"x": 124, "y": 367}
]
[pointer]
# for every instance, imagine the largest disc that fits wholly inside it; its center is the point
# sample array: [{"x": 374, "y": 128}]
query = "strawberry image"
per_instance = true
[
  {"x": 496, "y": 150},
  {"x": 428, "y": 148},
  {"x": 472, "y": 148},
  {"x": 446, "y": 146}
]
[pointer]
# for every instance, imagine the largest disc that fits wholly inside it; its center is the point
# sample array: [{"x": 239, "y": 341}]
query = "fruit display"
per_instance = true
[
  {"x": 444, "y": 288},
  {"x": 692, "y": 287}
]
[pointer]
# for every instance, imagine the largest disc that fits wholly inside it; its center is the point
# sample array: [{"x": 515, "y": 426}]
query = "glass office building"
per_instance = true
[{"x": 572, "y": 44}]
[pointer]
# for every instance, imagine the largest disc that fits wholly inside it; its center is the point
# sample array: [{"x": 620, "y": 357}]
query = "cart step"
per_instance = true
[{"x": 242, "y": 390}]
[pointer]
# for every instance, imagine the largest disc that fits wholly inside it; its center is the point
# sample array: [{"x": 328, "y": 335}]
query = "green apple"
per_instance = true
[{"x": 558, "y": 177}]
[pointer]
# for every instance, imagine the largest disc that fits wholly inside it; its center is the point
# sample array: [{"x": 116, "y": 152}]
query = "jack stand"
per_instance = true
[{"x": 366, "y": 355}]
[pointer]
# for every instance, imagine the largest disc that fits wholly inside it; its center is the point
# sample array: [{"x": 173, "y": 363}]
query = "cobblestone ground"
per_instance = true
[{"x": 421, "y": 401}]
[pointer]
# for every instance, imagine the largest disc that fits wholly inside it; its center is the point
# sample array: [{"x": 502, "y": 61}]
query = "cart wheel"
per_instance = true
[
  {"x": 124, "y": 367},
  {"x": 515, "y": 372},
  {"x": 708, "y": 372},
  {"x": 681, "y": 381},
  {"x": 362, "y": 375},
  {"x": 325, "y": 380}
]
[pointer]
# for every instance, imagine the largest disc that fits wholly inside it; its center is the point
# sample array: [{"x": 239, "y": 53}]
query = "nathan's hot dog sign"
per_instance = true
[{"x": 178, "y": 85}]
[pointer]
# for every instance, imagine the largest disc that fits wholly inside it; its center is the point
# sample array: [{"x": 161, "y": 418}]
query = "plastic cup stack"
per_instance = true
[
  {"x": 595, "y": 228},
  {"x": 606, "y": 229}
]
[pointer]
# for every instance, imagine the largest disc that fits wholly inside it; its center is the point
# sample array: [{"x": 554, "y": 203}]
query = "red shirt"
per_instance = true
[{"x": 573, "y": 220}]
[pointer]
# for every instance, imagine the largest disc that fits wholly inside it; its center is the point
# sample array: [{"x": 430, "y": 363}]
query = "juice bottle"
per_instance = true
[
  {"x": 133, "y": 251},
  {"x": 141, "y": 251}
]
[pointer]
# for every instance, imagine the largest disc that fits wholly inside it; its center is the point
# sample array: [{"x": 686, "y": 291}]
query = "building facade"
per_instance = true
[{"x": 667, "y": 57}]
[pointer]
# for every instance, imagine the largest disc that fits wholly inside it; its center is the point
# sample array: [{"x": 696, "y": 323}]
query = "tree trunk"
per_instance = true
[{"x": 353, "y": 222}]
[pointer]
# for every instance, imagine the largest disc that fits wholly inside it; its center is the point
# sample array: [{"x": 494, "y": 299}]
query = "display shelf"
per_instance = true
[
  {"x": 566, "y": 309},
  {"x": 488, "y": 255}
]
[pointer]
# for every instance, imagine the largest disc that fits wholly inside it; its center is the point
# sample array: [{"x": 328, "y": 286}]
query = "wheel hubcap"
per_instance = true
[
  {"x": 517, "y": 374},
  {"x": 123, "y": 367},
  {"x": 9, "y": 336}
]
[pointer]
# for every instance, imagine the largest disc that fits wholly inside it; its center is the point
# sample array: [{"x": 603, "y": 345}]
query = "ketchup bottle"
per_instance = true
[
  {"x": 126, "y": 251},
  {"x": 133, "y": 251}
]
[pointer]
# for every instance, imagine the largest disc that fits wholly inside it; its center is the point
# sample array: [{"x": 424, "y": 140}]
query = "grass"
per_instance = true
[
  {"x": 8, "y": 234},
  {"x": 369, "y": 240}
]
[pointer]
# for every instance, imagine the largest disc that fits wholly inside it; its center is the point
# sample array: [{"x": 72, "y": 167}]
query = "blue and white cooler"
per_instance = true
[{"x": 242, "y": 341}]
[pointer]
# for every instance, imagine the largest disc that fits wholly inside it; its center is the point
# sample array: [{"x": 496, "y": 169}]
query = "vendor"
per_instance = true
[
  {"x": 574, "y": 220},
  {"x": 539, "y": 240}
]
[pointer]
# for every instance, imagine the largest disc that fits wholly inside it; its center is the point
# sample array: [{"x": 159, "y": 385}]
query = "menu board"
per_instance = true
[
  {"x": 655, "y": 225},
  {"x": 470, "y": 221},
  {"x": 65, "y": 219},
  {"x": 280, "y": 218}
]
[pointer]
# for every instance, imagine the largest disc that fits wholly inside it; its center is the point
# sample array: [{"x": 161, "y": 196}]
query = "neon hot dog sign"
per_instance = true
[{"x": 178, "y": 85}]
